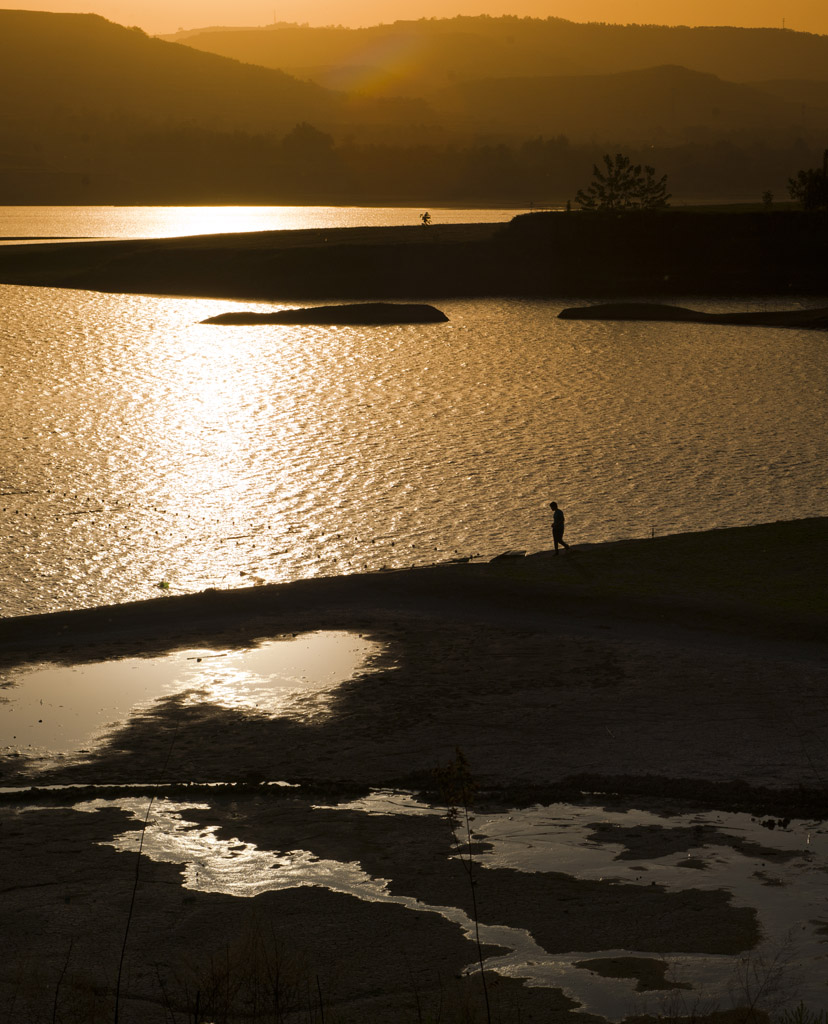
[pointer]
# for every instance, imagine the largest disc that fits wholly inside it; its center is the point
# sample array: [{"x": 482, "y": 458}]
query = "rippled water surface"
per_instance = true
[{"x": 139, "y": 446}]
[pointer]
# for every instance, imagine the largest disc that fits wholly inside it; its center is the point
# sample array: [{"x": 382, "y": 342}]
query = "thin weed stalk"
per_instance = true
[
  {"x": 458, "y": 787},
  {"x": 60, "y": 981},
  {"x": 136, "y": 879}
]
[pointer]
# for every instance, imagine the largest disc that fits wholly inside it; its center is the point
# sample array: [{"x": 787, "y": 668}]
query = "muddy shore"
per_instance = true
[
  {"x": 675, "y": 647},
  {"x": 680, "y": 673}
]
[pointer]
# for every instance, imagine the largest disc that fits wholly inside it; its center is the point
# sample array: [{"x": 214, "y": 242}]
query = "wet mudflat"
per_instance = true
[
  {"x": 296, "y": 852},
  {"x": 581, "y": 908}
]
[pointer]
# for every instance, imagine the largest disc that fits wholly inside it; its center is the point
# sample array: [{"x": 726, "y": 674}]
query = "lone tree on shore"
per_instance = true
[
  {"x": 623, "y": 186},
  {"x": 810, "y": 188}
]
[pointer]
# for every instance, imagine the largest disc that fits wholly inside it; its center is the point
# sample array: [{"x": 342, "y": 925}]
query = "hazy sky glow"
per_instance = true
[{"x": 160, "y": 16}]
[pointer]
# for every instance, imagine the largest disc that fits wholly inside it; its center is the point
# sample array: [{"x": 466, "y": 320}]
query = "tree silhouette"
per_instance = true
[
  {"x": 810, "y": 188},
  {"x": 623, "y": 186}
]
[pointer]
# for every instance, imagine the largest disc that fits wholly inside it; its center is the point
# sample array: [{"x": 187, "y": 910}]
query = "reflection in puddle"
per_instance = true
[
  {"x": 236, "y": 868},
  {"x": 782, "y": 874},
  {"x": 726, "y": 851},
  {"x": 63, "y": 709}
]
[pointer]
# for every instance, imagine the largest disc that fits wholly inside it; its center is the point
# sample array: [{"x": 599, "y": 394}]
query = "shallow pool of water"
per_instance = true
[
  {"x": 63, "y": 709},
  {"x": 781, "y": 873}
]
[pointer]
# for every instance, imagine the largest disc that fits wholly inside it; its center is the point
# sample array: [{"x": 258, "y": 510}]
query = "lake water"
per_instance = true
[
  {"x": 41, "y": 222},
  {"x": 139, "y": 446}
]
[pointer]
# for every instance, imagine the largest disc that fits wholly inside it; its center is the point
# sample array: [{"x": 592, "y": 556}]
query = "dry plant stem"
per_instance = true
[
  {"x": 135, "y": 881},
  {"x": 131, "y": 908},
  {"x": 763, "y": 982},
  {"x": 321, "y": 1004},
  {"x": 457, "y": 785},
  {"x": 415, "y": 990},
  {"x": 60, "y": 981},
  {"x": 473, "y": 885},
  {"x": 168, "y": 1011}
]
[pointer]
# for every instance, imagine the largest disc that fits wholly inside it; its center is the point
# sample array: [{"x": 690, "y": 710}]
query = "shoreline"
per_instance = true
[
  {"x": 720, "y": 607},
  {"x": 671, "y": 675},
  {"x": 667, "y": 580}
]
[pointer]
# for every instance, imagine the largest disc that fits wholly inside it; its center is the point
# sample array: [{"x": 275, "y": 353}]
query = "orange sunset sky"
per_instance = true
[{"x": 161, "y": 16}]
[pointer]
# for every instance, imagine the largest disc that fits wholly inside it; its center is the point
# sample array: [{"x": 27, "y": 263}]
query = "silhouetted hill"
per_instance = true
[
  {"x": 80, "y": 65},
  {"x": 406, "y": 58},
  {"x": 417, "y": 57},
  {"x": 805, "y": 92},
  {"x": 105, "y": 114}
]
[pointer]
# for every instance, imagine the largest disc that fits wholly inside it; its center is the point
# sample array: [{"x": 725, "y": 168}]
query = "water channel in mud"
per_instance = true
[{"x": 782, "y": 873}]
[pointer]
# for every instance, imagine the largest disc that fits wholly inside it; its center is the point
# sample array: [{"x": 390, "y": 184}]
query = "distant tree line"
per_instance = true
[{"x": 124, "y": 160}]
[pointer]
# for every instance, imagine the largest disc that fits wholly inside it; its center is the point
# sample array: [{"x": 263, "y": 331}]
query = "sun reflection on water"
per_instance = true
[{"x": 144, "y": 445}]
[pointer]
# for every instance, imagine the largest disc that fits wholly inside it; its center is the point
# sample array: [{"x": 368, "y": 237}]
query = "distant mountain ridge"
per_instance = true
[
  {"x": 97, "y": 112},
  {"x": 512, "y": 75},
  {"x": 88, "y": 65},
  {"x": 494, "y": 74},
  {"x": 420, "y": 56}
]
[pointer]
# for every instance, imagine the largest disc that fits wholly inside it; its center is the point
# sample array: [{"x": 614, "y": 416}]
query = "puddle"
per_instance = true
[
  {"x": 235, "y": 868},
  {"x": 66, "y": 709},
  {"x": 783, "y": 874}
]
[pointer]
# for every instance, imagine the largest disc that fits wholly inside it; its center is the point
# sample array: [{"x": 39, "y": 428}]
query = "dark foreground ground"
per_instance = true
[{"x": 682, "y": 672}]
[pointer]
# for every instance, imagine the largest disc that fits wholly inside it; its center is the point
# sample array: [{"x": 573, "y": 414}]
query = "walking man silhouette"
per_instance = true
[{"x": 557, "y": 526}]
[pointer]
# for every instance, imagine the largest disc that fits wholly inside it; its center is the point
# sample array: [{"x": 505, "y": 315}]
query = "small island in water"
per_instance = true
[
  {"x": 361, "y": 313},
  {"x": 814, "y": 319}
]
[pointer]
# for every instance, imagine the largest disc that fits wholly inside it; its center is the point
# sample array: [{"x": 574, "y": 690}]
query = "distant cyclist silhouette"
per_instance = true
[{"x": 425, "y": 219}]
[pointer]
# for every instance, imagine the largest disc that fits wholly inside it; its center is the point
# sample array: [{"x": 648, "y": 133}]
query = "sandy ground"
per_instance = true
[{"x": 658, "y": 704}]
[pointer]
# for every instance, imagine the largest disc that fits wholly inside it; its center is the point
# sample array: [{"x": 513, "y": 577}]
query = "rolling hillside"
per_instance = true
[
  {"x": 588, "y": 81},
  {"x": 83, "y": 65},
  {"x": 416, "y": 58},
  {"x": 100, "y": 113},
  {"x": 663, "y": 105},
  {"x": 108, "y": 114}
]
